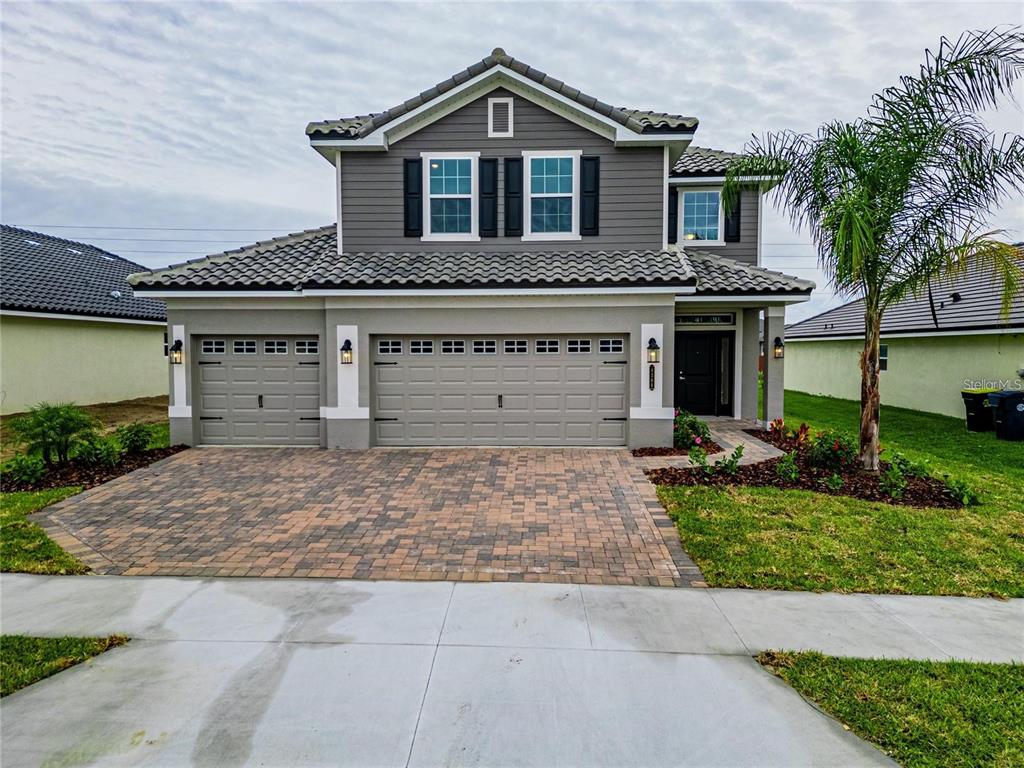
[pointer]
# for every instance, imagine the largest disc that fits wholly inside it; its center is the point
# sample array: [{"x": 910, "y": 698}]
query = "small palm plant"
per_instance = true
[
  {"x": 900, "y": 197},
  {"x": 54, "y": 430}
]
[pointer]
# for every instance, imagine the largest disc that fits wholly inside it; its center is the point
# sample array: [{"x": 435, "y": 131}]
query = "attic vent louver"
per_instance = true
[{"x": 499, "y": 117}]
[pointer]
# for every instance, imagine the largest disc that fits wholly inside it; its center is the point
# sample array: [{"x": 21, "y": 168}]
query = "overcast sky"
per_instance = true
[{"x": 190, "y": 115}]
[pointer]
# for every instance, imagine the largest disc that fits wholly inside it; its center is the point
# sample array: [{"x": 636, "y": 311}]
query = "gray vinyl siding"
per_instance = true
[
  {"x": 632, "y": 182},
  {"x": 746, "y": 249}
]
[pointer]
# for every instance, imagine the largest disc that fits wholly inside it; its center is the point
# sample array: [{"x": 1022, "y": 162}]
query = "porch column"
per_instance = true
[
  {"x": 179, "y": 412},
  {"x": 774, "y": 370},
  {"x": 750, "y": 323}
]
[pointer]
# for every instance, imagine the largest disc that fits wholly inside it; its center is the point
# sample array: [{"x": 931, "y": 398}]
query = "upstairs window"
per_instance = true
[
  {"x": 701, "y": 216},
  {"x": 552, "y": 183},
  {"x": 450, "y": 183}
]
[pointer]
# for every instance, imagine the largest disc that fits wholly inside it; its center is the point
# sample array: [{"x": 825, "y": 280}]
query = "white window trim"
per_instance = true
[
  {"x": 491, "y": 133},
  {"x": 474, "y": 198},
  {"x": 528, "y": 234},
  {"x": 721, "y": 218}
]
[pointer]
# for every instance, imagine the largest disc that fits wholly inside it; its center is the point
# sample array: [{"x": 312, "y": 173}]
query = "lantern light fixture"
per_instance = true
[
  {"x": 778, "y": 348},
  {"x": 346, "y": 352},
  {"x": 176, "y": 352},
  {"x": 653, "y": 351}
]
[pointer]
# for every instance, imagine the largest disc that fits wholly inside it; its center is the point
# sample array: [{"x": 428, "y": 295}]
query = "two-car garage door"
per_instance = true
[{"x": 500, "y": 390}]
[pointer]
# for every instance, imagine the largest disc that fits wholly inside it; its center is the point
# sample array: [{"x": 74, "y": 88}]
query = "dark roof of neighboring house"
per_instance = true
[
  {"x": 310, "y": 260},
  {"x": 41, "y": 273},
  {"x": 970, "y": 301},
  {"x": 701, "y": 161},
  {"x": 640, "y": 121}
]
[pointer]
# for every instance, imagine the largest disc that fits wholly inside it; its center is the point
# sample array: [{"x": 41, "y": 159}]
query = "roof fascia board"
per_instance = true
[
  {"x": 993, "y": 331},
  {"x": 715, "y": 179},
  {"x": 86, "y": 318},
  {"x": 762, "y": 298},
  {"x": 374, "y": 292}
]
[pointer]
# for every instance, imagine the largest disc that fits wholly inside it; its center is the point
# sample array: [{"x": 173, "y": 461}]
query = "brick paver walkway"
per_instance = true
[
  {"x": 728, "y": 433},
  {"x": 583, "y": 516}
]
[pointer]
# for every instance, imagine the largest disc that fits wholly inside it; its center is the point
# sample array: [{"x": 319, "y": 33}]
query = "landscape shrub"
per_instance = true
[
  {"x": 53, "y": 431},
  {"x": 834, "y": 482},
  {"x": 731, "y": 464},
  {"x": 134, "y": 438},
  {"x": 960, "y": 492},
  {"x": 699, "y": 459},
  {"x": 787, "y": 468},
  {"x": 98, "y": 452},
  {"x": 687, "y": 428},
  {"x": 22, "y": 469},
  {"x": 893, "y": 482},
  {"x": 777, "y": 425},
  {"x": 802, "y": 435},
  {"x": 909, "y": 467},
  {"x": 832, "y": 450}
]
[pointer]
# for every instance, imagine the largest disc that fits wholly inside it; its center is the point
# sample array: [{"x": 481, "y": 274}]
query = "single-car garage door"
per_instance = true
[
  {"x": 259, "y": 390},
  {"x": 500, "y": 390}
]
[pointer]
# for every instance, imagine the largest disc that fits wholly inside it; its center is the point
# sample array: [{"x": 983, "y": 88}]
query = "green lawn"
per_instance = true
[
  {"x": 767, "y": 538},
  {"x": 23, "y": 545},
  {"x": 25, "y": 660},
  {"x": 924, "y": 714}
]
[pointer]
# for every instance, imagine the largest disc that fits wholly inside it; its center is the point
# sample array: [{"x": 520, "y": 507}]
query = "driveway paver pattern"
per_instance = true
[{"x": 551, "y": 515}]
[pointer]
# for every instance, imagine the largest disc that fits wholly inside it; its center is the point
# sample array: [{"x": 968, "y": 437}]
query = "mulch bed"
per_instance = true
[
  {"x": 920, "y": 491},
  {"x": 708, "y": 445},
  {"x": 88, "y": 476}
]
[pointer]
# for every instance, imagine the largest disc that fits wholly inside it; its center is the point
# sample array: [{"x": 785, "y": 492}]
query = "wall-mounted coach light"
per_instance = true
[
  {"x": 778, "y": 348},
  {"x": 176, "y": 353},
  {"x": 346, "y": 352}
]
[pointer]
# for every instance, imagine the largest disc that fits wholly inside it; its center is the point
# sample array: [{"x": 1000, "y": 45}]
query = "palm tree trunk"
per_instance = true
[{"x": 869, "y": 399}]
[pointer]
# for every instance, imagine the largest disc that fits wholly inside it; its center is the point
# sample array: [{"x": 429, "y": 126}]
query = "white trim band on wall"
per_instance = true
[
  {"x": 344, "y": 413},
  {"x": 652, "y": 413}
]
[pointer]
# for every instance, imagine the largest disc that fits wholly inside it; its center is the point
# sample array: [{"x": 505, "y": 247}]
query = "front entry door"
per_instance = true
[{"x": 704, "y": 372}]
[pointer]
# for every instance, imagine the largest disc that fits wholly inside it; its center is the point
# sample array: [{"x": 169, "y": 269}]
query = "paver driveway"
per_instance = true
[{"x": 583, "y": 516}]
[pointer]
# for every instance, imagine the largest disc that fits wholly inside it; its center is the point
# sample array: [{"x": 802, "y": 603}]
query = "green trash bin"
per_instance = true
[
  {"x": 979, "y": 414},
  {"x": 1008, "y": 413}
]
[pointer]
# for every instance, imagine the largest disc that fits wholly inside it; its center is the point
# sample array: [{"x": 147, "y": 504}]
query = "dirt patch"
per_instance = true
[
  {"x": 708, "y": 445},
  {"x": 86, "y": 475},
  {"x": 919, "y": 492}
]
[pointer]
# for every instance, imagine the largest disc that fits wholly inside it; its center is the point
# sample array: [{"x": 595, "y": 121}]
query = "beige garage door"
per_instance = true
[
  {"x": 500, "y": 390},
  {"x": 259, "y": 390}
]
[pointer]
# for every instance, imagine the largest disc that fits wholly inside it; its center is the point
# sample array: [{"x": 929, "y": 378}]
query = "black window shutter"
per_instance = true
[
  {"x": 489, "y": 197},
  {"x": 513, "y": 196},
  {"x": 590, "y": 195},
  {"x": 673, "y": 214},
  {"x": 732, "y": 221},
  {"x": 413, "y": 197}
]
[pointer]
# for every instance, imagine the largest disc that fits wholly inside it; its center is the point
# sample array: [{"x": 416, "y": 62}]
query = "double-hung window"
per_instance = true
[
  {"x": 701, "y": 216},
  {"x": 553, "y": 187},
  {"x": 450, "y": 188}
]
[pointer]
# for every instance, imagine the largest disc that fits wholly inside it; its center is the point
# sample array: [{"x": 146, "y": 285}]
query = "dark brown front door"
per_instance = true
[{"x": 703, "y": 384}]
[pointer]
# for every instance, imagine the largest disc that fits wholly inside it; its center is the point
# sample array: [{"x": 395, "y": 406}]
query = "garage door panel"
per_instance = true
[
  {"x": 547, "y": 399},
  {"x": 230, "y": 387}
]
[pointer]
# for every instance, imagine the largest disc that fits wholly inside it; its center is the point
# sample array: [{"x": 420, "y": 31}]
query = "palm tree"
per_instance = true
[{"x": 900, "y": 197}]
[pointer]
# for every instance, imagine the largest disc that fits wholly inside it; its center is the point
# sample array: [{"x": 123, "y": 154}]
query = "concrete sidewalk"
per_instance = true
[{"x": 314, "y": 672}]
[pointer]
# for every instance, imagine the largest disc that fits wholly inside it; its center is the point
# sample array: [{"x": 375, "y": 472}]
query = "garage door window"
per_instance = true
[
  {"x": 307, "y": 347},
  {"x": 244, "y": 347},
  {"x": 485, "y": 347},
  {"x": 610, "y": 346},
  {"x": 516, "y": 347},
  {"x": 577, "y": 346},
  {"x": 453, "y": 347},
  {"x": 275, "y": 347},
  {"x": 421, "y": 347},
  {"x": 389, "y": 347},
  {"x": 214, "y": 347},
  {"x": 547, "y": 346}
]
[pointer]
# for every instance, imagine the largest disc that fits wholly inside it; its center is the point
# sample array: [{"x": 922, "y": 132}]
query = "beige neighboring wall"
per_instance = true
[
  {"x": 78, "y": 361},
  {"x": 925, "y": 373}
]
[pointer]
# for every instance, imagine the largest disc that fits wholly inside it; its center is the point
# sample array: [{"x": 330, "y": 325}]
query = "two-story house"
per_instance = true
[{"x": 514, "y": 263}]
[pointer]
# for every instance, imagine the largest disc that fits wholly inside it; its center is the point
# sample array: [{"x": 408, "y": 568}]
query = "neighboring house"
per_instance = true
[
  {"x": 71, "y": 329},
  {"x": 926, "y": 357},
  {"x": 508, "y": 257}
]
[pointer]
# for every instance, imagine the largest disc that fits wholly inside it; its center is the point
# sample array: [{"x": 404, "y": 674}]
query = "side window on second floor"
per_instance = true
[{"x": 698, "y": 215}]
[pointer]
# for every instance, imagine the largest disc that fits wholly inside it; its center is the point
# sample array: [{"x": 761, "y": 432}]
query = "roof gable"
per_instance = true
[
  {"x": 499, "y": 70},
  {"x": 46, "y": 274}
]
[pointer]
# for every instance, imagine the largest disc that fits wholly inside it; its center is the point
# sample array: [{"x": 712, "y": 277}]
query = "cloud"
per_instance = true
[{"x": 192, "y": 114}]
